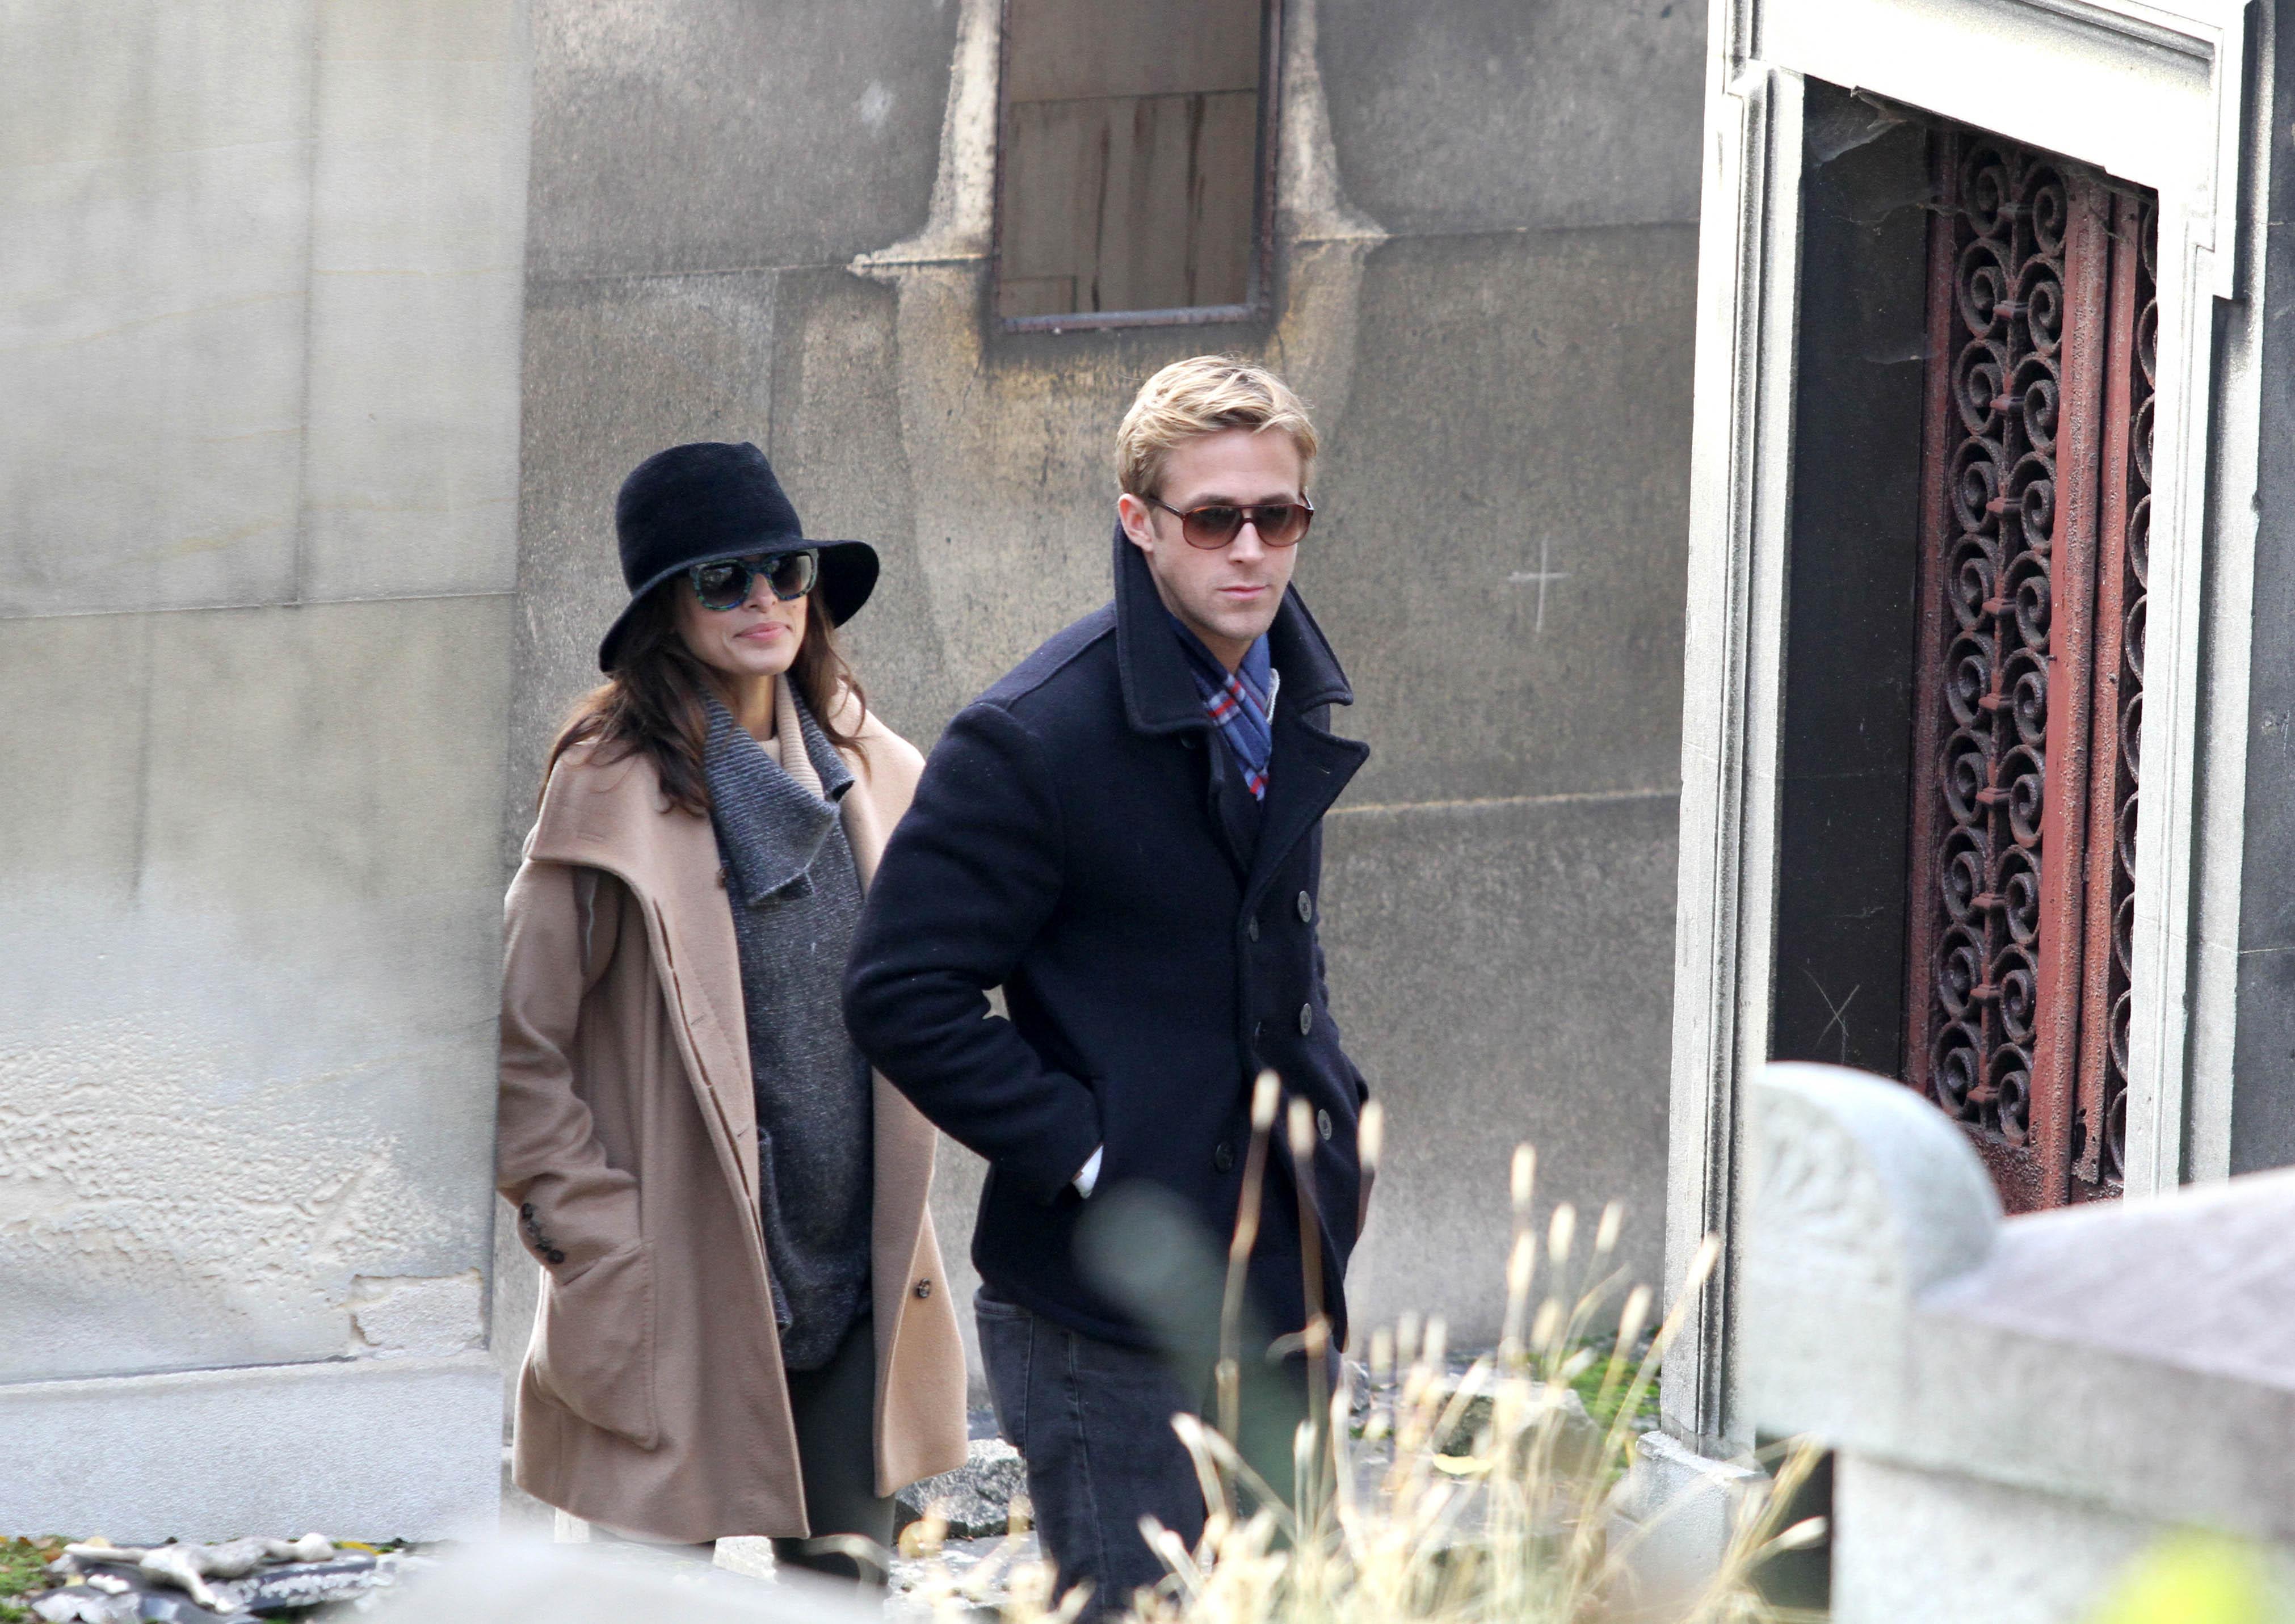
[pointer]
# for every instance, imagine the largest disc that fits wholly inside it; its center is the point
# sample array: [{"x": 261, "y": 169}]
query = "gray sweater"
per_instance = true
[{"x": 796, "y": 896}]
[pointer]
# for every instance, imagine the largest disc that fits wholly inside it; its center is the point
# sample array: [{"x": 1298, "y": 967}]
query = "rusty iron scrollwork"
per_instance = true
[{"x": 2025, "y": 756}]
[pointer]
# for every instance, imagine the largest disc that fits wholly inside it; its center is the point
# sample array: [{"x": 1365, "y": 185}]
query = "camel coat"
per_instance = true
[{"x": 653, "y": 1398}]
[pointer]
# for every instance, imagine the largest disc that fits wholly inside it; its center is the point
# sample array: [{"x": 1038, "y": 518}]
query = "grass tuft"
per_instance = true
[
  {"x": 1471, "y": 1498},
  {"x": 20, "y": 1564}
]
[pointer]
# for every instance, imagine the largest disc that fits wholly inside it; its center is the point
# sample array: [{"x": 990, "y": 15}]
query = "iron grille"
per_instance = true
[{"x": 2035, "y": 504}]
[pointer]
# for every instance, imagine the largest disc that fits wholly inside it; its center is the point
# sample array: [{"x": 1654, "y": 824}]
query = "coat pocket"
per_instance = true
[{"x": 594, "y": 1347}]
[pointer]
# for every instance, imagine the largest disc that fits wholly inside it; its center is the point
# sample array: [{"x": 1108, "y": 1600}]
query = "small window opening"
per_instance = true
[{"x": 1134, "y": 143}]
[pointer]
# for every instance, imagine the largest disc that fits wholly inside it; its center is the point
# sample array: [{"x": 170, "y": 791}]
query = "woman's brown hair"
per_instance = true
[{"x": 652, "y": 700}]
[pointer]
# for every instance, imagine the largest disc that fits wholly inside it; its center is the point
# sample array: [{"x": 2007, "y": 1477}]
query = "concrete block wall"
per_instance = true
[
  {"x": 259, "y": 315},
  {"x": 1484, "y": 287}
]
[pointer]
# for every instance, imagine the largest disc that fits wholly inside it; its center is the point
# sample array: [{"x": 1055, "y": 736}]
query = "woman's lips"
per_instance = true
[{"x": 763, "y": 632}]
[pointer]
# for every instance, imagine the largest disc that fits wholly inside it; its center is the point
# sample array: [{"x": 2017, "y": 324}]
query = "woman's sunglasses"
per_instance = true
[
  {"x": 727, "y": 584},
  {"x": 1279, "y": 524}
]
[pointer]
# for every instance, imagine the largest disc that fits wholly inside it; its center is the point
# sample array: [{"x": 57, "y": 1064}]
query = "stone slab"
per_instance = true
[
  {"x": 1922, "y": 1547},
  {"x": 1669, "y": 1525},
  {"x": 417, "y": 279},
  {"x": 2132, "y": 1353},
  {"x": 260, "y": 314},
  {"x": 1499, "y": 550},
  {"x": 727, "y": 134},
  {"x": 1435, "y": 111},
  {"x": 252, "y": 922},
  {"x": 373, "y": 1449},
  {"x": 1500, "y": 973},
  {"x": 155, "y": 176}
]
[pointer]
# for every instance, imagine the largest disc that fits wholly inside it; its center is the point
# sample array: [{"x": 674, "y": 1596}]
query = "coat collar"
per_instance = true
[{"x": 1159, "y": 694}]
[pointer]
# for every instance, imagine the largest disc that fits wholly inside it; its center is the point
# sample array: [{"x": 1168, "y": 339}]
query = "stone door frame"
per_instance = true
[{"x": 2157, "y": 94}]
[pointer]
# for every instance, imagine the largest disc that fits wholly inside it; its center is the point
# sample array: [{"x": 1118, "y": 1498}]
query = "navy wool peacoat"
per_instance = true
[{"x": 1082, "y": 839}]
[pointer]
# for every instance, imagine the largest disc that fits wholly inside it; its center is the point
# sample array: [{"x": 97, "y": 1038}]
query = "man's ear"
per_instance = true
[{"x": 1138, "y": 521}]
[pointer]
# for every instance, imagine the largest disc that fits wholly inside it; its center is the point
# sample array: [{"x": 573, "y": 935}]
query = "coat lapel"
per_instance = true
[
  {"x": 613, "y": 818},
  {"x": 1307, "y": 773},
  {"x": 905, "y": 1142},
  {"x": 1310, "y": 766}
]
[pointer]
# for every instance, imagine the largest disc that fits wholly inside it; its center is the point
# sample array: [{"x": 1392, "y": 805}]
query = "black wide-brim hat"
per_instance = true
[{"x": 699, "y": 503}]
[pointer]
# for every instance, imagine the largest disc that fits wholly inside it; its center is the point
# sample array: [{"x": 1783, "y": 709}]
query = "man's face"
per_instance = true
[{"x": 1227, "y": 596}]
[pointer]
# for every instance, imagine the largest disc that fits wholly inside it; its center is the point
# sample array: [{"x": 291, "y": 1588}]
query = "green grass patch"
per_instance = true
[
  {"x": 21, "y": 1562},
  {"x": 1588, "y": 1385}
]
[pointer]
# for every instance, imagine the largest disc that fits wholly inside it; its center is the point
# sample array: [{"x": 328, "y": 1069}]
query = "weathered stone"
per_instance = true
[
  {"x": 166, "y": 1607},
  {"x": 975, "y": 1499},
  {"x": 176, "y": 1565},
  {"x": 2089, "y": 1378},
  {"x": 310, "y": 1547},
  {"x": 261, "y": 310},
  {"x": 273, "y": 1445},
  {"x": 84, "y": 1604},
  {"x": 306, "y": 1584}
]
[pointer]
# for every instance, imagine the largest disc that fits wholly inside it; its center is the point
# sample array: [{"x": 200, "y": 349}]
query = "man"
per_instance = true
[{"x": 1124, "y": 834}]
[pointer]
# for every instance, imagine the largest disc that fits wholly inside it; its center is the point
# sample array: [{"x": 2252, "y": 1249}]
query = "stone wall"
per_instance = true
[
  {"x": 770, "y": 222},
  {"x": 257, "y": 470}
]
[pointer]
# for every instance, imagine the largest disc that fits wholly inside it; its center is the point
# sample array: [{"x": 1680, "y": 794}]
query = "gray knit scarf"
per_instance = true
[{"x": 796, "y": 897}]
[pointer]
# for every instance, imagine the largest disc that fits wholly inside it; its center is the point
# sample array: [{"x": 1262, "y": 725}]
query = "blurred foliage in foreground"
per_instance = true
[
  {"x": 1468, "y": 1499},
  {"x": 2198, "y": 1578}
]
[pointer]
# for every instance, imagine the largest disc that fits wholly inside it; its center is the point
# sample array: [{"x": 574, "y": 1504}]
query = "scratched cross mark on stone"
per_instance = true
[
  {"x": 1838, "y": 1014},
  {"x": 1541, "y": 576}
]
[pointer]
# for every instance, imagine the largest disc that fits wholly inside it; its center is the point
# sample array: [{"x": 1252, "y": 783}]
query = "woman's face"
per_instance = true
[{"x": 758, "y": 638}]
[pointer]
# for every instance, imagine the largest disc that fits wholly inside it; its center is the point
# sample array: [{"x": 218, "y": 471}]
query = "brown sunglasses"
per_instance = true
[{"x": 1279, "y": 524}]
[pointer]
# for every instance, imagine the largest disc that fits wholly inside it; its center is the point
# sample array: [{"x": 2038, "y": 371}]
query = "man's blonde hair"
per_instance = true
[{"x": 1201, "y": 395}]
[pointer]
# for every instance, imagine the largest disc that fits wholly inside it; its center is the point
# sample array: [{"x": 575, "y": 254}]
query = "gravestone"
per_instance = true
[{"x": 2019, "y": 1407}]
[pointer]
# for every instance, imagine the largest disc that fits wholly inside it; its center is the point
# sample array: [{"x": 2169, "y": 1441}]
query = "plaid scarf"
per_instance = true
[{"x": 1241, "y": 702}]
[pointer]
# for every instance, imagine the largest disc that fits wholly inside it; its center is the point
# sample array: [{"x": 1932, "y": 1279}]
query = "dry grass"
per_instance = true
[{"x": 1391, "y": 1530}]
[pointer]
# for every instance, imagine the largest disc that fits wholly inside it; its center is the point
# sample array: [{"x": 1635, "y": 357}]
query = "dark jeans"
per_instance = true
[
  {"x": 1093, "y": 1421},
  {"x": 835, "y": 1411}
]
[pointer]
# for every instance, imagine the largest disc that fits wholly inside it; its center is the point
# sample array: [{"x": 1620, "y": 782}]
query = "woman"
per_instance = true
[{"x": 743, "y": 1327}]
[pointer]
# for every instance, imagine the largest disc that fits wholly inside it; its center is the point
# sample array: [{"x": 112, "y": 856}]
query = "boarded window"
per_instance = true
[{"x": 1132, "y": 154}]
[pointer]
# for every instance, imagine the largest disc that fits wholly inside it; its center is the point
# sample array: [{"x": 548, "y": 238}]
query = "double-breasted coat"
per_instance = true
[
  {"x": 653, "y": 1398},
  {"x": 1082, "y": 839}
]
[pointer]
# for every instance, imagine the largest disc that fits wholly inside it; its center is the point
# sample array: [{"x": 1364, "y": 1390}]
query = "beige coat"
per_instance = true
[{"x": 653, "y": 1398}]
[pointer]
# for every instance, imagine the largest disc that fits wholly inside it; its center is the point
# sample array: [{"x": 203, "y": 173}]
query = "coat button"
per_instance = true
[
  {"x": 923, "y": 1287},
  {"x": 1306, "y": 1019},
  {"x": 1306, "y": 909},
  {"x": 1223, "y": 1157},
  {"x": 556, "y": 1256},
  {"x": 1323, "y": 1123},
  {"x": 1251, "y": 928}
]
